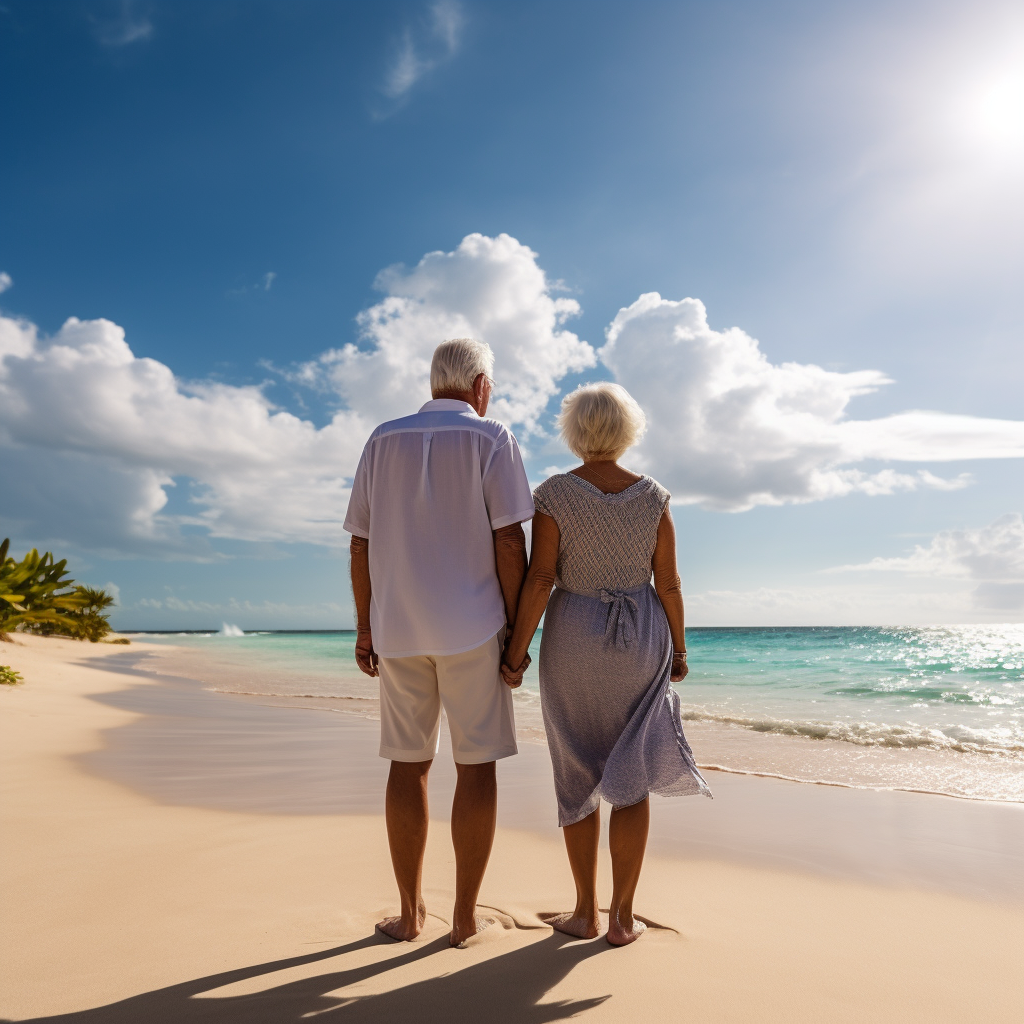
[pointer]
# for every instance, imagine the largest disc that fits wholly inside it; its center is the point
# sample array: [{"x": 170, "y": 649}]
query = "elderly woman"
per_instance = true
[{"x": 612, "y": 644}]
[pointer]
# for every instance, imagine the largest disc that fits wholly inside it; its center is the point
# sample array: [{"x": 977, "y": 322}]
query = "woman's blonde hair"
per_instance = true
[{"x": 601, "y": 421}]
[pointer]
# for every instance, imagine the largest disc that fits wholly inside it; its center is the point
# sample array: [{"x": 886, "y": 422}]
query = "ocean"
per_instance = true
[{"x": 936, "y": 709}]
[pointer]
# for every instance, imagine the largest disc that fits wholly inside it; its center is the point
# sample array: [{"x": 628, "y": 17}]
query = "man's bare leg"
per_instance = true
[
  {"x": 581, "y": 841},
  {"x": 406, "y": 815},
  {"x": 627, "y": 839},
  {"x": 474, "y": 814}
]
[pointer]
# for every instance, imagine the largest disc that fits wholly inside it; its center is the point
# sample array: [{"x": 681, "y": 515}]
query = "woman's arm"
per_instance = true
[
  {"x": 534, "y": 597},
  {"x": 670, "y": 591}
]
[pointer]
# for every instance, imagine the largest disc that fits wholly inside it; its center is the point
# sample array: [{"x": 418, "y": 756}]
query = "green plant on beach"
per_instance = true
[
  {"x": 83, "y": 623},
  {"x": 8, "y": 677},
  {"x": 91, "y": 623},
  {"x": 37, "y": 597},
  {"x": 34, "y": 590}
]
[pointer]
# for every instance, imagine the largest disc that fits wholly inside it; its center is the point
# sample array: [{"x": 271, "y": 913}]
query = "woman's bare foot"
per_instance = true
[
  {"x": 621, "y": 932},
  {"x": 581, "y": 926},
  {"x": 404, "y": 929}
]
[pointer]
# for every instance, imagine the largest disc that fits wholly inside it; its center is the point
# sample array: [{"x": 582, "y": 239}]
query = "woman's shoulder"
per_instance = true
[
  {"x": 563, "y": 495},
  {"x": 549, "y": 491},
  {"x": 659, "y": 494}
]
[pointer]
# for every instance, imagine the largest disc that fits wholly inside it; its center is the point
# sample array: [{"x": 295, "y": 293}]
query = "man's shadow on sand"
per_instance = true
[{"x": 504, "y": 989}]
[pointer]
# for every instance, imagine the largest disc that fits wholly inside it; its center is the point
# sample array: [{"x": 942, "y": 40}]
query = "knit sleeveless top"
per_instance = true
[{"x": 606, "y": 541}]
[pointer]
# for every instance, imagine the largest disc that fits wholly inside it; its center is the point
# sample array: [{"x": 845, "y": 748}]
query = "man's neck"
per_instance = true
[{"x": 458, "y": 396}]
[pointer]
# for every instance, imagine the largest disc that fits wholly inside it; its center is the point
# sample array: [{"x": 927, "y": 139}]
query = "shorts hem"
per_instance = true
[
  {"x": 482, "y": 757},
  {"x": 398, "y": 754}
]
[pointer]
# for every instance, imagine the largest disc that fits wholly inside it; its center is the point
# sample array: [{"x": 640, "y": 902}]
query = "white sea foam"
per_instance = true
[
  {"x": 227, "y": 629},
  {"x": 960, "y": 738},
  {"x": 984, "y": 796},
  {"x": 305, "y": 696}
]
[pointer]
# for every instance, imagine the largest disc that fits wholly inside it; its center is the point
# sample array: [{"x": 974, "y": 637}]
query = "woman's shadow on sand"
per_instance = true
[{"x": 504, "y": 989}]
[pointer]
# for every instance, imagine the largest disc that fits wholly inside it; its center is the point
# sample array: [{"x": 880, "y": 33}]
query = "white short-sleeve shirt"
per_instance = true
[{"x": 429, "y": 490}]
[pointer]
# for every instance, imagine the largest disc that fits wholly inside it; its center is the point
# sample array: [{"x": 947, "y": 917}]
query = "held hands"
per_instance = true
[
  {"x": 679, "y": 667},
  {"x": 366, "y": 656},
  {"x": 513, "y": 677}
]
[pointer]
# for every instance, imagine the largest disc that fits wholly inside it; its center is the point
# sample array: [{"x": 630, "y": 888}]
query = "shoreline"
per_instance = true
[
  {"x": 120, "y": 908},
  {"x": 369, "y": 714},
  {"x": 720, "y": 746}
]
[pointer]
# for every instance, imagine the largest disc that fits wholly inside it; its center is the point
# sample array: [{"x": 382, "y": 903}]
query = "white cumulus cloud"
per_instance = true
[
  {"x": 487, "y": 288},
  {"x": 992, "y": 556},
  {"x": 730, "y": 430},
  {"x": 95, "y": 436},
  {"x": 5, "y": 281}
]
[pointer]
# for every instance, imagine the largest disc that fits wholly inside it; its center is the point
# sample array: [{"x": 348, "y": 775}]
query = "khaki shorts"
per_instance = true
[{"x": 470, "y": 689}]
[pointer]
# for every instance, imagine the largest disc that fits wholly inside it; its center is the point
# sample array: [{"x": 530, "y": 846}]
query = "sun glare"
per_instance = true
[{"x": 995, "y": 113}]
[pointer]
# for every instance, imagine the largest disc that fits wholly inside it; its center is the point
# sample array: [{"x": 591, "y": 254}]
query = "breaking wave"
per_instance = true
[{"x": 960, "y": 738}]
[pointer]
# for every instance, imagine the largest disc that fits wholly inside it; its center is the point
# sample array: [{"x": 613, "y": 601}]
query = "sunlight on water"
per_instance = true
[{"x": 959, "y": 688}]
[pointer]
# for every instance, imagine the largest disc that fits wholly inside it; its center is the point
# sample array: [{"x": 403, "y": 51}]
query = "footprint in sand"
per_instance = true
[
  {"x": 665, "y": 930},
  {"x": 521, "y": 917},
  {"x": 492, "y": 925},
  {"x": 658, "y": 932},
  {"x": 562, "y": 921}
]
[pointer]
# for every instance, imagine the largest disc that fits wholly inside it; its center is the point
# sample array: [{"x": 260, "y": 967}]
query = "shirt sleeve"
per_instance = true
[
  {"x": 506, "y": 488},
  {"x": 357, "y": 518}
]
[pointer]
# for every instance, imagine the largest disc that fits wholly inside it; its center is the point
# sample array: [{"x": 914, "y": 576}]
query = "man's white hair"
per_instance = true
[
  {"x": 458, "y": 363},
  {"x": 601, "y": 421}
]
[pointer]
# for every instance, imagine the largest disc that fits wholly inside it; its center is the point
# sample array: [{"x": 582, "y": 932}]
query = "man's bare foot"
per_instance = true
[
  {"x": 402, "y": 929},
  {"x": 622, "y": 933},
  {"x": 579, "y": 925},
  {"x": 466, "y": 929}
]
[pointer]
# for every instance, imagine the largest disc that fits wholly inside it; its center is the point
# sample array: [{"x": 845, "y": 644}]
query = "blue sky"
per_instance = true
[{"x": 224, "y": 182}]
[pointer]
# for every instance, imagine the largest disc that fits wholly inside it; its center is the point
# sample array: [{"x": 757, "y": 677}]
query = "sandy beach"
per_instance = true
[{"x": 172, "y": 855}]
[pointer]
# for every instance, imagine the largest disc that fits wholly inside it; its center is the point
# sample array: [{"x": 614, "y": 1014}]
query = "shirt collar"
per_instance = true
[{"x": 447, "y": 405}]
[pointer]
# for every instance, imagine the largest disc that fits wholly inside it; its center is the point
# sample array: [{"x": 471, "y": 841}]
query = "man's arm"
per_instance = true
[
  {"x": 534, "y": 599},
  {"x": 510, "y": 562},
  {"x": 366, "y": 657}
]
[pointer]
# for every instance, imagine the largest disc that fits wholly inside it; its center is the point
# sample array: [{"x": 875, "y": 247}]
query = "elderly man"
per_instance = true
[{"x": 438, "y": 559}]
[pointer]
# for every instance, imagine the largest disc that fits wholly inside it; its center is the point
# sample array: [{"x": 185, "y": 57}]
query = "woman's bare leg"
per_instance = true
[
  {"x": 581, "y": 845},
  {"x": 627, "y": 838}
]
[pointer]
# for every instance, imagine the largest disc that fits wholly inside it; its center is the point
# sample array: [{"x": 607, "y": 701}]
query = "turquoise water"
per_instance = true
[
  {"x": 947, "y": 687},
  {"x": 953, "y": 688}
]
